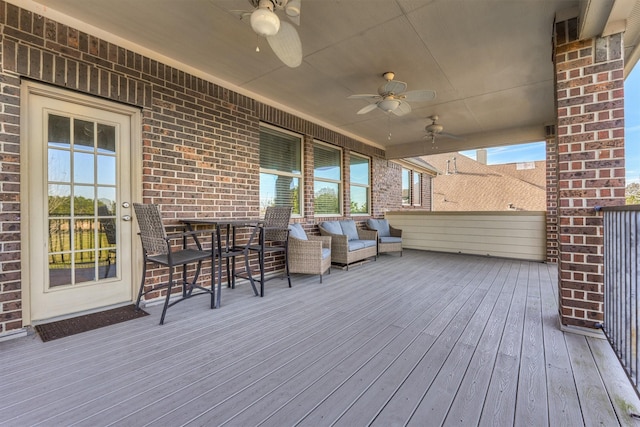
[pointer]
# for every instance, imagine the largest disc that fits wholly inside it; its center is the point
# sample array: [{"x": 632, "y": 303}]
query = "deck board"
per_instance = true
[
  {"x": 466, "y": 407},
  {"x": 422, "y": 339},
  {"x": 531, "y": 405}
]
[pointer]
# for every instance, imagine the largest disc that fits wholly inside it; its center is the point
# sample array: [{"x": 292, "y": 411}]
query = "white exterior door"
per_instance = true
[{"x": 79, "y": 202}]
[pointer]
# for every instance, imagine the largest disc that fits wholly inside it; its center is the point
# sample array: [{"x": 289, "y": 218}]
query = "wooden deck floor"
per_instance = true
[{"x": 427, "y": 339}]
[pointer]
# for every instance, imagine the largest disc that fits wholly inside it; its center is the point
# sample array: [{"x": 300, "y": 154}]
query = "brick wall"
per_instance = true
[
  {"x": 590, "y": 150},
  {"x": 200, "y": 140}
]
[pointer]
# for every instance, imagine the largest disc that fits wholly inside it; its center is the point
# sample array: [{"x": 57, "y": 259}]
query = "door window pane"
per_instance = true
[
  {"x": 83, "y": 134},
  {"x": 83, "y": 200},
  {"x": 106, "y": 139},
  {"x": 106, "y": 170},
  {"x": 59, "y": 131},
  {"x": 59, "y": 169},
  {"x": 59, "y": 200},
  {"x": 83, "y": 171},
  {"x": 106, "y": 201}
]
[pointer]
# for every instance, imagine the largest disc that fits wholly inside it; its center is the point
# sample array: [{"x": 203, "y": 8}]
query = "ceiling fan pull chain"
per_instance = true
[{"x": 257, "y": 43}]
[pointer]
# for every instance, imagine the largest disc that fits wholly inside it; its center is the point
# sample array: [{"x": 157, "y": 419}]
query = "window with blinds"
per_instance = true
[
  {"x": 327, "y": 179},
  {"x": 359, "y": 176},
  {"x": 280, "y": 169}
]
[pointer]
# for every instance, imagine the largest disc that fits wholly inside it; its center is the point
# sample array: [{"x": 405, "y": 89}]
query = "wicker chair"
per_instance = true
[
  {"x": 274, "y": 238},
  {"x": 308, "y": 254},
  {"x": 158, "y": 248},
  {"x": 389, "y": 238}
]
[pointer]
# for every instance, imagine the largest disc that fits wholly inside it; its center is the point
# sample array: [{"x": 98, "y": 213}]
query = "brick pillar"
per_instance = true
[
  {"x": 590, "y": 144},
  {"x": 552, "y": 193}
]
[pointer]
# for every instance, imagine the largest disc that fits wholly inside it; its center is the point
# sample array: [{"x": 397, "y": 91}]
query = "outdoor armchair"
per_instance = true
[
  {"x": 389, "y": 238},
  {"x": 308, "y": 254}
]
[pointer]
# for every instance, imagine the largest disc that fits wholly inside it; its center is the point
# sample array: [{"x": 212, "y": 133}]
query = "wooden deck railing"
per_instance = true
[
  {"x": 517, "y": 234},
  {"x": 621, "y": 274}
]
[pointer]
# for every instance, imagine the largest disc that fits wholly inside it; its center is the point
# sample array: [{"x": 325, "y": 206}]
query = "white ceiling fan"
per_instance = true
[
  {"x": 435, "y": 130},
  {"x": 392, "y": 97},
  {"x": 281, "y": 35}
]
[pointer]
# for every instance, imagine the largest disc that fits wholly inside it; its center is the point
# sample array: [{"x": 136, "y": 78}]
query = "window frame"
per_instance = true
[
  {"x": 339, "y": 181},
  {"x": 405, "y": 201},
  {"x": 416, "y": 192},
  {"x": 367, "y": 186},
  {"x": 300, "y": 176}
]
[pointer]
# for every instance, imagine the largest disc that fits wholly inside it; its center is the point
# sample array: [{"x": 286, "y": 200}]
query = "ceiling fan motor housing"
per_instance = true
[{"x": 434, "y": 128}]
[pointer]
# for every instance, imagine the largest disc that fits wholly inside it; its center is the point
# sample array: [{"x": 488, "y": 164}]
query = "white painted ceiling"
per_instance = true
[{"x": 490, "y": 61}]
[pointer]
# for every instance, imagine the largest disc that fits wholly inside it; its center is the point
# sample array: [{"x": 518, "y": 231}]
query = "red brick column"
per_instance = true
[
  {"x": 552, "y": 194},
  {"x": 590, "y": 144}
]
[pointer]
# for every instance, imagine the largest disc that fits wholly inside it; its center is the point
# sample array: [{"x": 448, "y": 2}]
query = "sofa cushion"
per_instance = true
[
  {"x": 326, "y": 253},
  {"x": 381, "y": 225},
  {"x": 296, "y": 230},
  {"x": 349, "y": 229},
  {"x": 391, "y": 240},
  {"x": 365, "y": 243},
  {"x": 355, "y": 245},
  {"x": 332, "y": 227}
]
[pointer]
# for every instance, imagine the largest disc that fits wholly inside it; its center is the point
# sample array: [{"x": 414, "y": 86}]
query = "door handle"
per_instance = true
[{"x": 126, "y": 218}]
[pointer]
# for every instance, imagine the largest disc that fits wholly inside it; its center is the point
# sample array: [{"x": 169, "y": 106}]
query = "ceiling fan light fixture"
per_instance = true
[
  {"x": 388, "y": 104},
  {"x": 265, "y": 22}
]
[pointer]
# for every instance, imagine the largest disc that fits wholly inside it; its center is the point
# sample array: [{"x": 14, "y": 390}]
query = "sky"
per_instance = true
[{"x": 536, "y": 150}]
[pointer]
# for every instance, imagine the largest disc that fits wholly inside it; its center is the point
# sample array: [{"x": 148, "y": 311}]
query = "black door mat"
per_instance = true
[{"x": 75, "y": 325}]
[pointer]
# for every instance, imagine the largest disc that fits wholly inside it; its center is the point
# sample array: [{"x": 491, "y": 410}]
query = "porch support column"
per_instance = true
[
  {"x": 590, "y": 152},
  {"x": 551, "y": 179}
]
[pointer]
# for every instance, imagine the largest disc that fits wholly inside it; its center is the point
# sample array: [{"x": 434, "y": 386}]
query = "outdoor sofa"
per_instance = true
[{"x": 349, "y": 244}]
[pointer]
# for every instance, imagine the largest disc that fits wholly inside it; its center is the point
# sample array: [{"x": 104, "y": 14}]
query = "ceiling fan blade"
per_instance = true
[
  {"x": 242, "y": 14},
  {"x": 403, "y": 108},
  {"x": 450, "y": 135},
  {"x": 368, "y": 108},
  {"x": 392, "y": 86},
  {"x": 364, "y": 96},
  {"x": 286, "y": 45},
  {"x": 419, "y": 95}
]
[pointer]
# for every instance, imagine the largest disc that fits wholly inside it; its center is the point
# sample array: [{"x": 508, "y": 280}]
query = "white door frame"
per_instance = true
[{"x": 32, "y": 88}]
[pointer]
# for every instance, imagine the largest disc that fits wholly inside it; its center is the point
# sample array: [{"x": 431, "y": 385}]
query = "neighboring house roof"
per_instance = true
[
  {"x": 467, "y": 185},
  {"x": 531, "y": 172},
  {"x": 418, "y": 163}
]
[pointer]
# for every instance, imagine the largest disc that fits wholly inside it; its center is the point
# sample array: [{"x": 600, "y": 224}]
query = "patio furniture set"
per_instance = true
[{"x": 339, "y": 242}]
